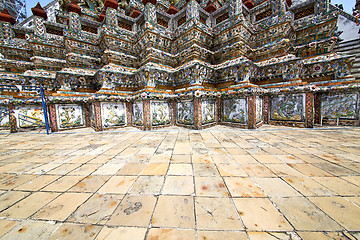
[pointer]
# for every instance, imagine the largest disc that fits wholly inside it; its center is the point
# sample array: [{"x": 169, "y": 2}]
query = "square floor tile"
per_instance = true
[
  {"x": 243, "y": 187},
  {"x": 231, "y": 170},
  {"x": 28, "y": 206},
  {"x": 118, "y": 185},
  {"x": 89, "y": 184},
  {"x": 276, "y": 187},
  {"x": 61, "y": 207},
  {"x": 147, "y": 185},
  {"x": 97, "y": 209},
  {"x": 178, "y": 185},
  {"x": 117, "y": 233},
  {"x": 62, "y": 184},
  {"x": 170, "y": 234},
  {"x": 216, "y": 235},
  {"x": 134, "y": 210},
  {"x": 259, "y": 214},
  {"x": 219, "y": 214},
  {"x": 174, "y": 211},
  {"x": 181, "y": 169},
  {"x": 341, "y": 210},
  {"x": 75, "y": 231},
  {"x": 211, "y": 186},
  {"x": 304, "y": 216},
  {"x": 155, "y": 169}
]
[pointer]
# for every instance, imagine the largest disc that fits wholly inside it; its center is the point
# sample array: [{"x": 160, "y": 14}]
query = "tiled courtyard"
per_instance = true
[{"x": 220, "y": 183}]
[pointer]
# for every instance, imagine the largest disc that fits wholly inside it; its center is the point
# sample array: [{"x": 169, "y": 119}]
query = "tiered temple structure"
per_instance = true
[{"x": 191, "y": 63}]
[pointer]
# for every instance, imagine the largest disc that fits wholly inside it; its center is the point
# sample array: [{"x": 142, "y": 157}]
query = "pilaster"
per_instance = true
[
  {"x": 197, "y": 113},
  {"x": 129, "y": 113},
  {"x": 266, "y": 109},
  {"x": 147, "y": 112},
  {"x": 12, "y": 119},
  {"x": 192, "y": 10},
  {"x": 52, "y": 115},
  {"x": 309, "y": 108},
  {"x": 97, "y": 112},
  {"x": 252, "y": 112}
]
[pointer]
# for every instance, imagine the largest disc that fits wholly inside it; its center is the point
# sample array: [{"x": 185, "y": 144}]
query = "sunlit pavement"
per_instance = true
[{"x": 218, "y": 183}]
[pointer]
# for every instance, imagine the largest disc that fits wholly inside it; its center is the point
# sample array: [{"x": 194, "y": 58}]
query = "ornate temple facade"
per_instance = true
[{"x": 190, "y": 63}]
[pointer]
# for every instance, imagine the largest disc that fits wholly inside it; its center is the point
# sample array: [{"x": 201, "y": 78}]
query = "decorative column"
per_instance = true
[
  {"x": 150, "y": 14},
  {"x": 12, "y": 119},
  {"x": 6, "y": 20},
  {"x": 146, "y": 115},
  {"x": 309, "y": 102},
  {"x": 97, "y": 112},
  {"x": 111, "y": 17},
  {"x": 192, "y": 10},
  {"x": 317, "y": 108},
  {"x": 236, "y": 7},
  {"x": 74, "y": 17},
  {"x": 218, "y": 110},
  {"x": 128, "y": 113},
  {"x": 197, "y": 113},
  {"x": 87, "y": 115},
  {"x": 266, "y": 109},
  {"x": 39, "y": 18},
  {"x": 52, "y": 115},
  {"x": 173, "y": 112},
  {"x": 252, "y": 112}
]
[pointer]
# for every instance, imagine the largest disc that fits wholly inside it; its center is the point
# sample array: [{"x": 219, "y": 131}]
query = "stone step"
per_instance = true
[
  {"x": 348, "y": 51},
  {"x": 356, "y": 75},
  {"x": 355, "y": 42},
  {"x": 356, "y": 64},
  {"x": 357, "y": 55}
]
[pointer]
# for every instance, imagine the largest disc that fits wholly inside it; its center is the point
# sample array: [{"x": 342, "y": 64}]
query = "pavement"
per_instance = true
[{"x": 218, "y": 183}]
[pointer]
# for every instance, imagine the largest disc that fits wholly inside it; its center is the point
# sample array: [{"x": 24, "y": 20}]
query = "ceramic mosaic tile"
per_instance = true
[
  {"x": 113, "y": 114},
  {"x": 69, "y": 116}
]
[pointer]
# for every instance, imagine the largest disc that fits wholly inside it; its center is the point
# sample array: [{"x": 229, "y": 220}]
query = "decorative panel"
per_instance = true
[
  {"x": 30, "y": 116},
  {"x": 288, "y": 107},
  {"x": 185, "y": 112},
  {"x": 69, "y": 116},
  {"x": 339, "y": 105},
  {"x": 160, "y": 113},
  {"x": 4, "y": 118},
  {"x": 138, "y": 113},
  {"x": 113, "y": 114},
  {"x": 235, "y": 110},
  {"x": 208, "y": 111},
  {"x": 259, "y": 108}
]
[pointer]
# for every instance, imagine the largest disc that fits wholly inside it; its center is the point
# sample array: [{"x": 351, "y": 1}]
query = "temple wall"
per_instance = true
[{"x": 242, "y": 111}]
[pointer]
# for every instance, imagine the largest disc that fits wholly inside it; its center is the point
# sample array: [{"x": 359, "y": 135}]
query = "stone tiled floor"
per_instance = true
[{"x": 219, "y": 183}]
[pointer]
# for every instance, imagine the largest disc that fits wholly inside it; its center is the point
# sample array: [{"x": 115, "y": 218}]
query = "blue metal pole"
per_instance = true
[{"x": 44, "y": 109}]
